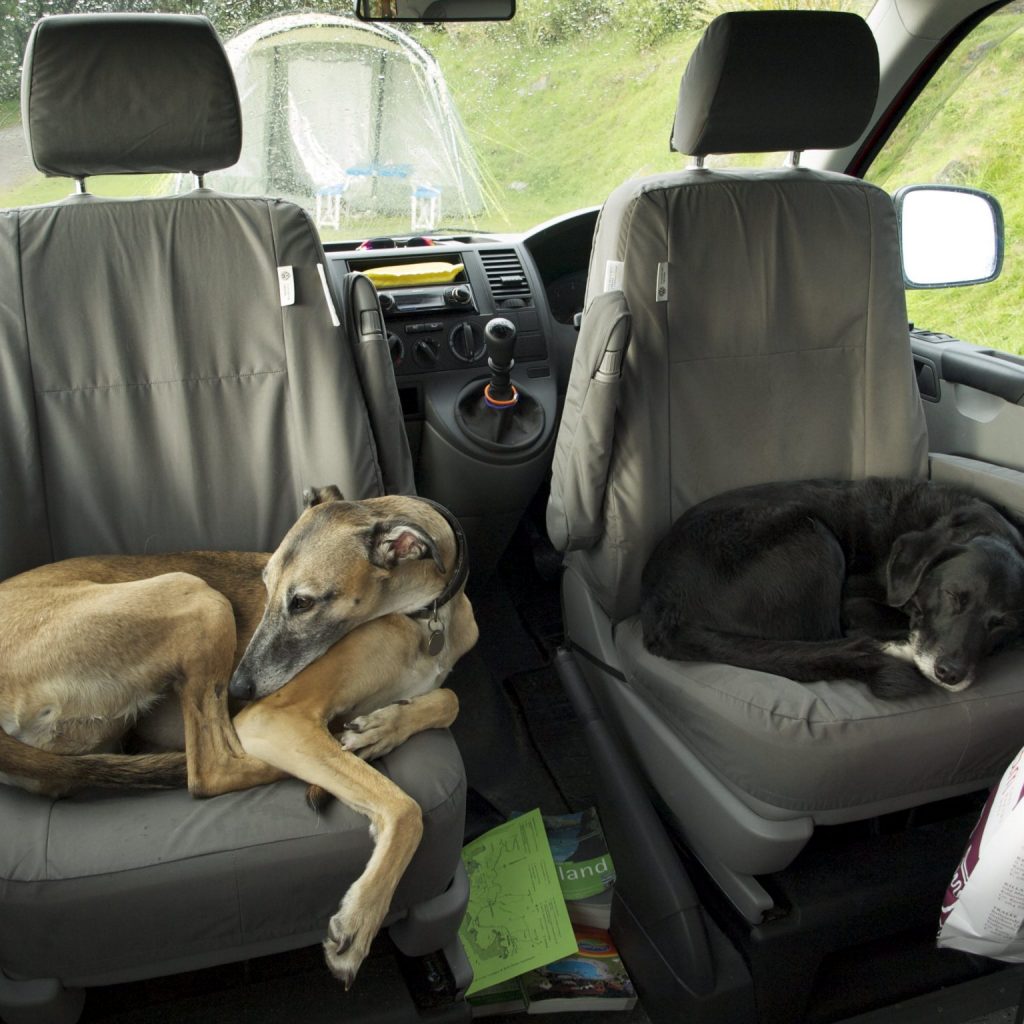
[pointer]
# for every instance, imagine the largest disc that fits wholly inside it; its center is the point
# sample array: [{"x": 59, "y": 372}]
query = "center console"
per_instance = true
[{"x": 467, "y": 330}]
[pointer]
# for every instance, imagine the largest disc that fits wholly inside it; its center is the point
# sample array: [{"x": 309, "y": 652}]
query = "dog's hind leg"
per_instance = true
[{"x": 217, "y": 761}]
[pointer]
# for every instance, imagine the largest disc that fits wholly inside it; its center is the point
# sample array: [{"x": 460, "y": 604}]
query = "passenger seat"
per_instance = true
[{"x": 173, "y": 374}]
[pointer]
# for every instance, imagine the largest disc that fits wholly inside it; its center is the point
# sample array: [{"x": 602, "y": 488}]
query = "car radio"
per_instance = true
[{"x": 427, "y": 298}]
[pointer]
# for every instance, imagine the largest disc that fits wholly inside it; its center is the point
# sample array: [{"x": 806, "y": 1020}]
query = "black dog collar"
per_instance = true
[{"x": 459, "y": 573}]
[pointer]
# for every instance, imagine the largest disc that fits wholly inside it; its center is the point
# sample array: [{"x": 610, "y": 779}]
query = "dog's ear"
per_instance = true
[
  {"x": 910, "y": 557},
  {"x": 394, "y": 542},
  {"x": 318, "y": 495}
]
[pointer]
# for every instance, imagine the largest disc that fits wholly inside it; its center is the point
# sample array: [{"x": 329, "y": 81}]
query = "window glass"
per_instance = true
[
  {"x": 380, "y": 129},
  {"x": 967, "y": 128}
]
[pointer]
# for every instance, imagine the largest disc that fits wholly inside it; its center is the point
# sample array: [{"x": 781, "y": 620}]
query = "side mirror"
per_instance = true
[
  {"x": 435, "y": 10},
  {"x": 949, "y": 236}
]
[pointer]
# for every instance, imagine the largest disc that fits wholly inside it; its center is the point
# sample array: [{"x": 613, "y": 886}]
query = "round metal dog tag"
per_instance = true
[{"x": 435, "y": 642}]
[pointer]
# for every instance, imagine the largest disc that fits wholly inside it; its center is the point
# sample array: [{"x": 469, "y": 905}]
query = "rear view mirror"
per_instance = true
[
  {"x": 949, "y": 235},
  {"x": 435, "y": 10}
]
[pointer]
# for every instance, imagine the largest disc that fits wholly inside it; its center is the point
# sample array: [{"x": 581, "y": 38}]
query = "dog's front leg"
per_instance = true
[
  {"x": 378, "y": 732},
  {"x": 298, "y": 743}
]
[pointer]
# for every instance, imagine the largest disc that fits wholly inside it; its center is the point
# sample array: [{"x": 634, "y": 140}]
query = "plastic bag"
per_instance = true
[{"x": 983, "y": 911}]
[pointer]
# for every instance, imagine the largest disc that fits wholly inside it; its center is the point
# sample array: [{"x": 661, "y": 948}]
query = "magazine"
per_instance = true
[
  {"x": 594, "y": 978},
  {"x": 516, "y": 917}
]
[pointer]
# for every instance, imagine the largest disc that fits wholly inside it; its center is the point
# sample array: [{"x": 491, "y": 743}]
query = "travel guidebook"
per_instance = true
[
  {"x": 593, "y": 978},
  {"x": 585, "y": 870}
]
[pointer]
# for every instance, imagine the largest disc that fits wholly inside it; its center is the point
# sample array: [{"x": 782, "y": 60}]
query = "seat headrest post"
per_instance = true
[
  {"x": 128, "y": 94},
  {"x": 764, "y": 81}
]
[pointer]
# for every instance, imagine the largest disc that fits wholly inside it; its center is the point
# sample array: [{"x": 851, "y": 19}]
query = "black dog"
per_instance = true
[{"x": 893, "y": 583}]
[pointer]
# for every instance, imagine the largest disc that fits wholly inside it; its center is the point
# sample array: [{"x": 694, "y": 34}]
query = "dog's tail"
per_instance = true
[
  {"x": 62, "y": 772},
  {"x": 807, "y": 661}
]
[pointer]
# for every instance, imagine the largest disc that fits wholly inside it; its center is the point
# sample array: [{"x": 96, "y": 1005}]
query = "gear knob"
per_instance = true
[{"x": 500, "y": 339}]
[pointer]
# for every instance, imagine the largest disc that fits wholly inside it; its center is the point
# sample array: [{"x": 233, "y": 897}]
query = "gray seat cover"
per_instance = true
[
  {"x": 164, "y": 399},
  {"x": 768, "y": 341},
  {"x": 110, "y": 887},
  {"x": 830, "y": 749}
]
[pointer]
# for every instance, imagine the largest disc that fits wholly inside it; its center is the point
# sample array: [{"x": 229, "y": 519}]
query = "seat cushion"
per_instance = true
[
  {"x": 831, "y": 749},
  {"x": 92, "y": 887}
]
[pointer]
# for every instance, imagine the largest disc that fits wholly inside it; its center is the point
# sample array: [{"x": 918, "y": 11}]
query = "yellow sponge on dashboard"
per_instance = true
[{"x": 398, "y": 274}]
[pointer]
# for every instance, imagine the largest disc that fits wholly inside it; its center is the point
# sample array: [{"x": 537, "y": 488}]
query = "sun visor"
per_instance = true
[{"x": 128, "y": 94}]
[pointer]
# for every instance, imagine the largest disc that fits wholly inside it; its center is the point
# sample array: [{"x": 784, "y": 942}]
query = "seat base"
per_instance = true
[
  {"x": 849, "y": 923},
  {"x": 93, "y": 884}
]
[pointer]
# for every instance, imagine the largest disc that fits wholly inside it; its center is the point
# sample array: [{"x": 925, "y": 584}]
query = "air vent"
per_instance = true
[{"x": 506, "y": 277}]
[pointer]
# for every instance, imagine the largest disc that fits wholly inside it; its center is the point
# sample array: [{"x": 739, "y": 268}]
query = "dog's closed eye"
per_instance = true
[{"x": 956, "y": 599}]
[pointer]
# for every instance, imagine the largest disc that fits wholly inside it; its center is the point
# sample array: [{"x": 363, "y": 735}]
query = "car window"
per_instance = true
[
  {"x": 967, "y": 128},
  {"x": 378, "y": 129}
]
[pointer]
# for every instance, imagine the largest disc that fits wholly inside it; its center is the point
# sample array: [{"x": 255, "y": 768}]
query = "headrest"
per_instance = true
[
  {"x": 761, "y": 81},
  {"x": 128, "y": 94}
]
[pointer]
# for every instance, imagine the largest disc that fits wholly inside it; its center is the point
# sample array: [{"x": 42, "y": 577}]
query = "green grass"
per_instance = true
[
  {"x": 10, "y": 113},
  {"x": 47, "y": 190},
  {"x": 574, "y": 120}
]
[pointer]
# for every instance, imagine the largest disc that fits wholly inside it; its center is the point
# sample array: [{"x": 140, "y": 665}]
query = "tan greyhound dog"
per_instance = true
[{"x": 356, "y": 619}]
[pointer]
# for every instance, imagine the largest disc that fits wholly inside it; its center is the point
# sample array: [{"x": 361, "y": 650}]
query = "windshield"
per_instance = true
[{"x": 380, "y": 129}]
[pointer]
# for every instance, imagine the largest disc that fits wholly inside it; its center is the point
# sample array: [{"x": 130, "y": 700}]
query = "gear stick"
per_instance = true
[
  {"x": 500, "y": 341},
  {"x": 495, "y": 413}
]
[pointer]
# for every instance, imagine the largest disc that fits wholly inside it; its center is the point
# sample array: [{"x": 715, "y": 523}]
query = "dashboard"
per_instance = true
[
  {"x": 435, "y": 321},
  {"x": 437, "y": 296}
]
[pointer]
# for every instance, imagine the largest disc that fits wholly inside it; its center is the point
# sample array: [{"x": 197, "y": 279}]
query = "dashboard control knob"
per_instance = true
[
  {"x": 387, "y": 301},
  {"x": 458, "y": 295},
  {"x": 465, "y": 342},
  {"x": 426, "y": 352},
  {"x": 397, "y": 349}
]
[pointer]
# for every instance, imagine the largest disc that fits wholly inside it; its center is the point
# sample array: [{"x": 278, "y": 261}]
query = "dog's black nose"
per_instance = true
[
  {"x": 241, "y": 686},
  {"x": 949, "y": 671}
]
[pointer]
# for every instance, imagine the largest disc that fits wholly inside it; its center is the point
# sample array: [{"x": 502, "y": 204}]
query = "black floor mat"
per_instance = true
[{"x": 555, "y": 734}]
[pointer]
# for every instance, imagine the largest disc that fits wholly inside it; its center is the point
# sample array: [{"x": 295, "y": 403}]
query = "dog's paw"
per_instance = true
[
  {"x": 349, "y": 935},
  {"x": 375, "y": 734}
]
